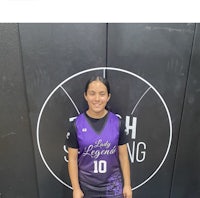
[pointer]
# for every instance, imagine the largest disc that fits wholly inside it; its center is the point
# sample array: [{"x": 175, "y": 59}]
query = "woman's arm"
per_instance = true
[
  {"x": 73, "y": 172},
  {"x": 125, "y": 167}
]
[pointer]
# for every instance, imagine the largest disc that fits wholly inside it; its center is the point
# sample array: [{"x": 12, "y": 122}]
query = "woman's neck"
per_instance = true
[{"x": 96, "y": 115}]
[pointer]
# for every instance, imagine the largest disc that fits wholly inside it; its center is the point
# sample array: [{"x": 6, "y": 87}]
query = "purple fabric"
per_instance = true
[{"x": 99, "y": 169}]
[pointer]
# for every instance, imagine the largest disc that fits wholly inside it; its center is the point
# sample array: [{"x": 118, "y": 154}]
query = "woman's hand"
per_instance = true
[
  {"x": 78, "y": 193},
  {"x": 127, "y": 192}
]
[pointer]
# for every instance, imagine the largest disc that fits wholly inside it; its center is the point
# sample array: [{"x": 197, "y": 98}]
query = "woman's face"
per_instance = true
[{"x": 97, "y": 97}]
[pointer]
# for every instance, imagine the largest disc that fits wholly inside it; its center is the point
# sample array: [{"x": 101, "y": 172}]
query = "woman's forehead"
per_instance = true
[{"x": 97, "y": 85}]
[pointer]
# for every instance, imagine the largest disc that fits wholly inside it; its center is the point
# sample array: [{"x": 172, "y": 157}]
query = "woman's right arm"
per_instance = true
[{"x": 73, "y": 172}]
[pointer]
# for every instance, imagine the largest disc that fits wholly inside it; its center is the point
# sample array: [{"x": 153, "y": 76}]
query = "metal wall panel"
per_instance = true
[
  {"x": 186, "y": 181},
  {"x": 159, "y": 54},
  {"x": 51, "y": 54},
  {"x": 17, "y": 167}
]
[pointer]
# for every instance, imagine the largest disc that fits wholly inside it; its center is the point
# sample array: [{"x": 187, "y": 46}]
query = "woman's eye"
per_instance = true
[{"x": 92, "y": 93}]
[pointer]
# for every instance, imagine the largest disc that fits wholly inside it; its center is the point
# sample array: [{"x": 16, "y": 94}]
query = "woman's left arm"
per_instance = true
[{"x": 125, "y": 167}]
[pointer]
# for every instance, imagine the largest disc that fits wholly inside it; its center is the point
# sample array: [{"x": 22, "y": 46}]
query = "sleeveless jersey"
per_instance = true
[{"x": 98, "y": 161}]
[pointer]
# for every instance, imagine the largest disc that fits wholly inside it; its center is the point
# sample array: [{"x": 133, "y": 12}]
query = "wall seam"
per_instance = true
[
  {"x": 106, "y": 49},
  {"x": 27, "y": 105},
  {"x": 182, "y": 110}
]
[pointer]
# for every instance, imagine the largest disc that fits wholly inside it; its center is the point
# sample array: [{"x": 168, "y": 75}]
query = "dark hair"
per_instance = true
[{"x": 98, "y": 78}]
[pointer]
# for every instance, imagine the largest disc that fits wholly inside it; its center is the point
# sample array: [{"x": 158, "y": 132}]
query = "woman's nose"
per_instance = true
[{"x": 97, "y": 97}]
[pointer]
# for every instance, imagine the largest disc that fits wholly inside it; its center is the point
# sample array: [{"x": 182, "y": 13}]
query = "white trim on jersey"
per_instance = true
[{"x": 72, "y": 119}]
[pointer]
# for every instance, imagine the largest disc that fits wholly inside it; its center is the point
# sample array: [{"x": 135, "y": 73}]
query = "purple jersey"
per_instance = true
[{"x": 99, "y": 169}]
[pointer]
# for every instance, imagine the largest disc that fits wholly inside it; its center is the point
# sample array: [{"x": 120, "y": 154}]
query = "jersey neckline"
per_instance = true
[{"x": 90, "y": 121}]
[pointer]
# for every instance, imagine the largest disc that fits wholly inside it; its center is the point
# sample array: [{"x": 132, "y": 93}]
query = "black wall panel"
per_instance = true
[
  {"x": 148, "y": 65},
  {"x": 159, "y": 53},
  {"x": 17, "y": 166},
  {"x": 186, "y": 181},
  {"x": 51, "y": 54}
]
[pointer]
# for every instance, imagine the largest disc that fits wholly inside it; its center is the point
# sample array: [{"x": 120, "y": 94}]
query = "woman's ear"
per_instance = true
[
  {"x": 85, "y": 96},
  {"x": 109, "y": 96}
]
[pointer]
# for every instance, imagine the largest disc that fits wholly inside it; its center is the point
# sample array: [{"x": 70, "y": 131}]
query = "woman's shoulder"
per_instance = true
[
  {"x": 115, "y": 115},
  {"x": 74, "y": 118}
]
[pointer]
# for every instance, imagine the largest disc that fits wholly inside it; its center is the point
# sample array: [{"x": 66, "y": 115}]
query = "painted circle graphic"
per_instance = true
[{"x": 104, "y": 69}]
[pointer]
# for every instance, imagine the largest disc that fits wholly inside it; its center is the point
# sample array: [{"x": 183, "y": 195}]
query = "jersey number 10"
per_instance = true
[{"x": 100, "y": 166}]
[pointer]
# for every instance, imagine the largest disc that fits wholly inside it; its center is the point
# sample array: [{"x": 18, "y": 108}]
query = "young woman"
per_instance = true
[{"x": 98, "y": 158}]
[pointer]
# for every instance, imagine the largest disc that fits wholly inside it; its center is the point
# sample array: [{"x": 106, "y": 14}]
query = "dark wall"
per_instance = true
[
  {"x": 160, "y": 53},
  {"x": 39, "y": 68},
  {"x": 18, "y": 177},
  {"x": 186, "y": 178},
  {"x": 52, "y": 53}
]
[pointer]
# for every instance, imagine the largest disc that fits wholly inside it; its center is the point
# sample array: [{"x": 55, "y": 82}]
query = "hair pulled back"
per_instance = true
[{"x": 98, "y": 78}]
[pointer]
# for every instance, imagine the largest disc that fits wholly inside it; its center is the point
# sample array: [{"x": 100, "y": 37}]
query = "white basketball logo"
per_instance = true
[{"x": 147, "y": 119}]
